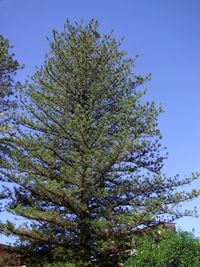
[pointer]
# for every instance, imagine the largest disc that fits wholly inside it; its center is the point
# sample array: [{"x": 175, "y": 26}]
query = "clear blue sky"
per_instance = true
[{"x": 166, "y": 36}]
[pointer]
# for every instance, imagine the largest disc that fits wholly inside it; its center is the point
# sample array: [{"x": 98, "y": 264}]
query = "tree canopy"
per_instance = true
[{"x": 87, "y": 159}]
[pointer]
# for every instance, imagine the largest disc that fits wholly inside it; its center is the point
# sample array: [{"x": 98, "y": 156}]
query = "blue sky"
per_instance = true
[{"x": 165, "y": 35}]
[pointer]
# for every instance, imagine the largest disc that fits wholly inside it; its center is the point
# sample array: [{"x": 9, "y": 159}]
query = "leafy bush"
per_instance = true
[{"x": 174, "y": 250}]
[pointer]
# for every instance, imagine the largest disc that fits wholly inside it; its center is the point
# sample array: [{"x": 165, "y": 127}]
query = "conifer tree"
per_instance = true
[
  {"x": 87, "y": 162},
  {"x": 8, "y": 67}
]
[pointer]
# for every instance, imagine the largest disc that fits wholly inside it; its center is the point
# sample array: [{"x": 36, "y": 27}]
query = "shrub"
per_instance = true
[{"x": 174, "y": 250}]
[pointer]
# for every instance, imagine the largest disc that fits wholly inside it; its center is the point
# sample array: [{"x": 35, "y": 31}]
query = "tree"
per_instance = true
[
  {"x": 8, "y": 67},
  {"x": 174, "y": 250},
  {"x": 87, "y": 160}
]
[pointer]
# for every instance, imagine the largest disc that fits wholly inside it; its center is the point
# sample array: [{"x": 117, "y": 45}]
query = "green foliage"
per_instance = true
[
  {"x": 87, "y": 157},
  {"x": 8, "y": 67},
  {"x": 174, "y": 250}
]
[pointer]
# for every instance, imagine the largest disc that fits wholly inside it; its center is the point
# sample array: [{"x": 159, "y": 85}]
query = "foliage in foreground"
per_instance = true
[
  {"x": 87, "y": 159},
  {"x": 174, "y": 250}
]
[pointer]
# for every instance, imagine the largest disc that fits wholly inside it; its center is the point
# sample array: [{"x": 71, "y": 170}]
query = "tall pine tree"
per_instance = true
[
  {"x": 87, "y": 160},
  {"x": 8, "y": 67}
]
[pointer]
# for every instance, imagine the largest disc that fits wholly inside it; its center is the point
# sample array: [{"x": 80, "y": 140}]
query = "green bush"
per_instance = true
[{"x": 174, "y": 250}]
